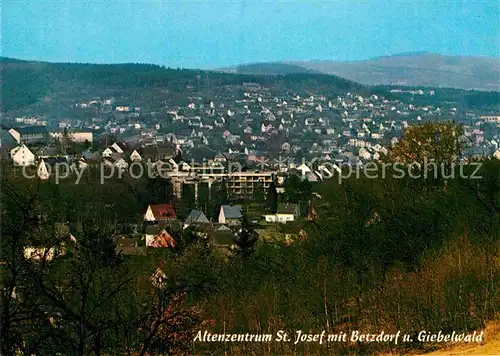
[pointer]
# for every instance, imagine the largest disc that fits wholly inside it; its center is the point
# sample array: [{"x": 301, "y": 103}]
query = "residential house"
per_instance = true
[
  {"x": 82, "y": 163},
  {"x": 30, "y": 134},
  {"x": 42, "y": 171},
  {"x": 122, "y": 108},
  {"x": 22, "y": 156},
  {"x": 224, "y": 228},
  {"x": 196, "y": 217},
  {"x": 135, "y": 156},
  {"x": 121, "y": 164},
  {"x": 364, "y": 153},
  {"x": 160, "y": 212},
  {"x": 158, "y": 279},
  {"x": 117, "y": 148},
  {"x": 230, "y": 214},
  {"x": 107, "y": 152},
  {"x": 285, "y": 213},
  {"x": 161, "y": 240},
  {"x": 75, "y": 135},
  {"x": 303, "y": 168}
]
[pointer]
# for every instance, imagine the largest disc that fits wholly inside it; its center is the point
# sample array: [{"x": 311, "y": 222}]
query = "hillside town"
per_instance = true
[
  {"x": 252, "y": 128},
  {"x": 251, "y": 142}
]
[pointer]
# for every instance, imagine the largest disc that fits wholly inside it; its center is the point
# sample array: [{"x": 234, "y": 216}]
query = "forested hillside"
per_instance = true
[{"x": 25, "y": 83}]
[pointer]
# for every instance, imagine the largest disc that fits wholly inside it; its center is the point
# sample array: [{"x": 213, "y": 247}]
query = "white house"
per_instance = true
[
  {"x": 270, "y": 218},
  {"x": 42, "y": 171},
  {"x": 77, "y": 135},
  {"x": 121, "y": 164},
  {"x": 159, "y": 212},
  {"x": 327, "y": 171},
  {"x": 364, "y": 153},
  {"x": 125, "y": 108},
  {"x": 82, "y": 163},
  {"x": 22, "y": 156},
  {"x": 117, "y": 148},
  {"x": 135, "y": 156},
  {"x": 230, "y": 214},
  {"x": 304, "y": 169},
  {"x": 107, "y": 152},
  {"x": 285, "y": 213}
]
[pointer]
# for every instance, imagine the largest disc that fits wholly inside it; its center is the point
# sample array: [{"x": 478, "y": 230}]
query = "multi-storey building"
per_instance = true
[{"x": 30, "y": 134}]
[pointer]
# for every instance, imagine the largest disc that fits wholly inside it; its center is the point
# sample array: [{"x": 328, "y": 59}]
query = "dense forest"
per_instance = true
[
  {"x": 25, "y": 83},
  {"x": 375, "y": 254}
]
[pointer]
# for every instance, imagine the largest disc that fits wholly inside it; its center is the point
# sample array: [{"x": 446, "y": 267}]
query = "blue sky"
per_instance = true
[{"x": 212, "y": 34}]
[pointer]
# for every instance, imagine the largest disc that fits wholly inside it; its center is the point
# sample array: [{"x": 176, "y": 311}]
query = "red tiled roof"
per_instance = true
[
  {"x": 163, "y": 211},
  {"x": 163, "y": 239}
]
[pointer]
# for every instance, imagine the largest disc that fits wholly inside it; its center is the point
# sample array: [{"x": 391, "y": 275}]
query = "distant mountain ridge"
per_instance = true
[
  {"x": 270, "y": 68},
  {"x": 405, "y": 69}
]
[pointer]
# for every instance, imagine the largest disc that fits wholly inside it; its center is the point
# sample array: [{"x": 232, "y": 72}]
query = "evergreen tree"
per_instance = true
[
  {"x": 246, "y": 237},
  {"x": 259, "y": 194},
  {"x": 272, "y": 198},
  {"x": 223, "y": 193},
  {"x": 178, "y": 156},
  {"x": 297, "y": 190}
]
